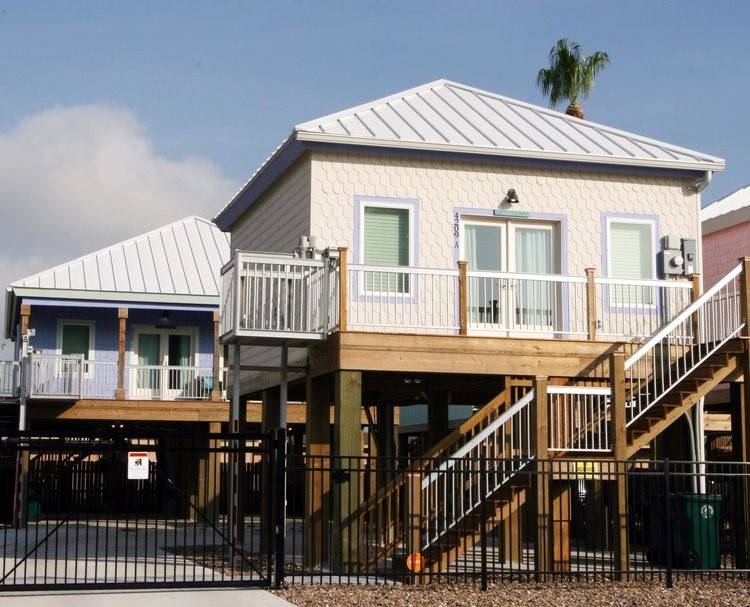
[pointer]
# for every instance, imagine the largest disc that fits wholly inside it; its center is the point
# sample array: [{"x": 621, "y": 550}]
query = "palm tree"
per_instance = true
[{"x": 570, "y": 74}]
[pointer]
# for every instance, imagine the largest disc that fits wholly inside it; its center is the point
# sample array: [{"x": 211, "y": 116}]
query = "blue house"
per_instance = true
[{"x": 116, "y": 334}]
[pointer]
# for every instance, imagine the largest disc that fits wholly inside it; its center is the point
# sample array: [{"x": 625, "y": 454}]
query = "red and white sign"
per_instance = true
[{"x": 137, "y": 465}]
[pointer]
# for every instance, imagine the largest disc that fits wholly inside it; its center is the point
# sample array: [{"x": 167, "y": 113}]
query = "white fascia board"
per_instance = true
[
  {"x": 530, "y": 154},
  {"x": 162, "y": 298}
]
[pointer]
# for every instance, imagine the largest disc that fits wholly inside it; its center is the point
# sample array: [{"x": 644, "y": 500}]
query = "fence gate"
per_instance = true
[{"x": 129, "y": 509}]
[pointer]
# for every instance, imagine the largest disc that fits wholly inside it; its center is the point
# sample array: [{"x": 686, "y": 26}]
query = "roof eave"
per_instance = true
[
  {"x": 155, "y": 298},
  {"x": 282, "y": 157},
  {"x": 707, "y": 165},
  {"x": 725, "y": 220}
]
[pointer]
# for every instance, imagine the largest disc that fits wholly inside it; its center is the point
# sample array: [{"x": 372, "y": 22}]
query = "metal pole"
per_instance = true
[
  {"x": 281, "y": 468},
  {"x": 21, "y": 518},
  {"x": 234, "y": 524}
]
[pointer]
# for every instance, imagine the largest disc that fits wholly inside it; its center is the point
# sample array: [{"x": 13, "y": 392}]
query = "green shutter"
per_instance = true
[
  {"x": 386, "y": 243},
  {"x": 75, "y": 340},
  {"x": 631, "y": 256}
]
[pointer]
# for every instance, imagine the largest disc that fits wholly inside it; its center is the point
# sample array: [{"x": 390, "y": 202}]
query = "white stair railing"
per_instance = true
[
  {"x": 683, "y": 344},
  {"x": 579, "y": 419},
  {"x": 458, "y": 485}
]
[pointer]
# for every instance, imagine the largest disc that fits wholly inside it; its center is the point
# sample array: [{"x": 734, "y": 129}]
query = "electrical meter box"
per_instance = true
[
  {"x": 689, "y": 256},
  {"x": 672, "y": 259}
]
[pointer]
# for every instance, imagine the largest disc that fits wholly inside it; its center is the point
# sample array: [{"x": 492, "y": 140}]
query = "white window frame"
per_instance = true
[
  {"x": 613, "y": 299},
  {"x": 410, "y": 207},
  {"x": 88, "y": 369}
]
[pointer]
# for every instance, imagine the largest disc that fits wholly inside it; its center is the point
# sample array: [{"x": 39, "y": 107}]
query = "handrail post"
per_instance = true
[
  {"x": 591, "y": 303},
  {"x": 694, "y": 296},
  {"x": 215, "y": 395},
  {"x": 462, "y": 298},
  {"x": 343, "y": 289},
  {"x": 745, "y": 317},
  {"x": 122, "y": 316},
  {"x": 745, "y": 294}
]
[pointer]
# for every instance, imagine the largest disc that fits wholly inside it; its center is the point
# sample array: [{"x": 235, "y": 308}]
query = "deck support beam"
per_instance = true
[
  {"x": 347, "y": 450},
  {"x": 317, "y": 474},
  {"x": 541, "y": 481},
  {"x": 619, "y": 425},
  {"x": 438, "y": 427},
  {"x": 209, "y": 487}
]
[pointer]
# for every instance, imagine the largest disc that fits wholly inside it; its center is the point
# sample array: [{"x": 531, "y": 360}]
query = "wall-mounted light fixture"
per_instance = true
[{"x": 511, "y": 196}]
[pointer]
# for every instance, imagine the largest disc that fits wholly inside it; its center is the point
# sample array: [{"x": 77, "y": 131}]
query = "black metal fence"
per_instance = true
[
  {"x": 135, "y": 509},
  {"x": 209, "y": 511},
  {"x": 378, "y": 520}
]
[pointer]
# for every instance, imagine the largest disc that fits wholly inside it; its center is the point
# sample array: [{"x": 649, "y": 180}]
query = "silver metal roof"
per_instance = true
[
  {"x": 727, "y": 211},
  {"x": 444, "y": 115},
  {"x": 181, "y": 259},
  {"x": 449, "y": 117}
]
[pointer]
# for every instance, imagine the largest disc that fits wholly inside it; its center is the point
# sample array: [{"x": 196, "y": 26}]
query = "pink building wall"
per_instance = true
[{"x": 722, "y": 249}]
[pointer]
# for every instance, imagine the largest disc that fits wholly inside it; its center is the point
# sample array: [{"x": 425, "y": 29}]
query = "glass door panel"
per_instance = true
[
  {"x": 484, "y": 246},
  {"x": 148, "y": 380},
  {"x": 532, "y": 254},
  {"x": 178, "y": 355}
]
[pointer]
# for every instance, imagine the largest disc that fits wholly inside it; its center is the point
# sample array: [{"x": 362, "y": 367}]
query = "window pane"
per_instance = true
[
  {"x": 75, "y": 340},
  {"x": 386, "y": 243},
  {"x": 631, "y": 256},
  {"x": 534, "y": 256}
]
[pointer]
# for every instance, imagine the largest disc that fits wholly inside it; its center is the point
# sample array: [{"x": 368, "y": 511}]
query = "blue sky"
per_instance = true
[{"x": 118, "y": 117}]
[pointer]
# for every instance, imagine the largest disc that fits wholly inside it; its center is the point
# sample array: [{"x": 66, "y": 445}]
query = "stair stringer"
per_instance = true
[{"x": 676, "y": 402}]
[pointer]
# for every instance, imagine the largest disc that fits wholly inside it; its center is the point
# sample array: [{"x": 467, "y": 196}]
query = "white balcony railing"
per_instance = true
[
  {"x": 63, "y": 377},
  {"x": 277, "y": 295},
  {"x": 268, "y": 298},
  {"x": 154, "y": 382},
  {"x": 10, "y": 377}
]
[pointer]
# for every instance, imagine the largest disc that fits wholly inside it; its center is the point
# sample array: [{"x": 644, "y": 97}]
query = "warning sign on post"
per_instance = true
[{"x": 137, "y": 465}]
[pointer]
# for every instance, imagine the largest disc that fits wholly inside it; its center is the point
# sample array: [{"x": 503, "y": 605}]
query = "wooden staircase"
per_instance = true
[
  {"x": 386, "y": 511},
  {"x": 721, "y": 366}
]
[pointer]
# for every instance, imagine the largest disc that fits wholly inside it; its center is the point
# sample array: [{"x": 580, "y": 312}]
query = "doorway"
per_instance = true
[
  {"x": 514, "y": 300},
  {"x": 163, "y": 358}
]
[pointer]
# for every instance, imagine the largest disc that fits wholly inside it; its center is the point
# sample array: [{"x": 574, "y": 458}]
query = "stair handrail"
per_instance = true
[
  {"x": 685, "y": 343},
  {"x": 455, "y": 488},
  {"x": 488, "y": 431}
]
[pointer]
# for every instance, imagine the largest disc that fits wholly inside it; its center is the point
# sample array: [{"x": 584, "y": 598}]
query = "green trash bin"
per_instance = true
[
  {"x": 694, "y": 521},
  {"x": 700, "y": 515}
]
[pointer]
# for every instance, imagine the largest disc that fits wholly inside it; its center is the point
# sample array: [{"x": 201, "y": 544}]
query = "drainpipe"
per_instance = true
[
  {"x": 698, "y": 431},
  {"x": 703, "y": 183}
]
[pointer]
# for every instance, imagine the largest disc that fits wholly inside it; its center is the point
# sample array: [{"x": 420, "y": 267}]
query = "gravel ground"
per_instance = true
[{"x": 692, "y": 593}]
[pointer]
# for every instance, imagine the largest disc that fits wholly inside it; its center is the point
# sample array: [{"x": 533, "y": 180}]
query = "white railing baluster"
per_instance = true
[
  {"x": 579, "y": 417},
  {"x": 676, "y": 350},
  {"x": 459, "y": 478}
]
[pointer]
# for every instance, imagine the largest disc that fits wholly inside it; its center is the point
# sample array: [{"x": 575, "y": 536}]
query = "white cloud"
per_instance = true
[{"x": 76, "y": 179}]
